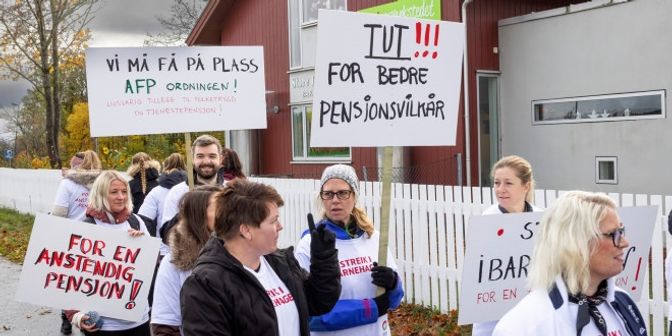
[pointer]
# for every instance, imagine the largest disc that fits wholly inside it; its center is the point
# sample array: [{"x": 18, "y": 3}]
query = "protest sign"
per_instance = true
[
  {"x": 75, "y": 265},
  {"x": 386, "y": 81},
  {"x": 175, "y": 89},
  {"x": 498, "y": 254}
]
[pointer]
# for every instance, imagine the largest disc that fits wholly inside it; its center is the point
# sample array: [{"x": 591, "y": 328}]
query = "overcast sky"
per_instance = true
[{"x": 117, "y": 23}]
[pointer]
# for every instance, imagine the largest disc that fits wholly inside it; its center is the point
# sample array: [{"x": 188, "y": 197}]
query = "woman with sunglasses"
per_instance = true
[
  {"x": 359, "y": 311},
  {"x": 578, "y": 249}
]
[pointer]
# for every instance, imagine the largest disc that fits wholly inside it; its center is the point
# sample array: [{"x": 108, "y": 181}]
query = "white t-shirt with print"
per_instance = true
[
  {"x": 283, "y": 302},
  {"x": 73, "y": 196},
  {"x": 169, "y": 281},
  {"x": 355, "y": 258}
]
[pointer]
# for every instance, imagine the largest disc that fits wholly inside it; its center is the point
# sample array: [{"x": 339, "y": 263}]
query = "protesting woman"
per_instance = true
[
  {"x": 514, "y": 189},
  {"x": 578, "y": 249},
  {"x": 359, "y": 311},
  {"x": 243, "y": 284},
  {"x": 186, "y": 241},
  {"x": 110, "y": 206}
]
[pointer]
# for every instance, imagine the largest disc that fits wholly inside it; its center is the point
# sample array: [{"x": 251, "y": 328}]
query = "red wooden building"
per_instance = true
[{"x": 285, "y": 29}]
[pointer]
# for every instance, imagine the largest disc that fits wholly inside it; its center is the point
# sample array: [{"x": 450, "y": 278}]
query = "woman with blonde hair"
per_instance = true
[
  {"x": 144, "y": 173},
  {"x": 514, "y": 189},
  {"x": 578, "y": 249},
  {"x": 359, "y": 311},
  {"x": 174, "y": 172},
  {"x": 110, "y": 207}
]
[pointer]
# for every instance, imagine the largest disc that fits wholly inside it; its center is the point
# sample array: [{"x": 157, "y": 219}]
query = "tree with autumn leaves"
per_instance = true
[{"x": 36, "y": 36}]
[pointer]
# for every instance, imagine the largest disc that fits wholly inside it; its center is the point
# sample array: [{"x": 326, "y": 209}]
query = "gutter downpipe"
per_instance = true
[{"x": 465, "y": 75}]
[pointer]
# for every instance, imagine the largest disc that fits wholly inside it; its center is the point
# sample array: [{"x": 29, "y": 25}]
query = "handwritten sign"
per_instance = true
[
  {"x": 175, "y": 89},
  {"x": 385, "y": 81},
  {"x": 498, "y": 254},
  {"x": 74, "y": 265}
]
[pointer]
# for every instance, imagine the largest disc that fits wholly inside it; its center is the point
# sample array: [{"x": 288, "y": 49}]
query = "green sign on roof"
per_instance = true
[{"x": 419, "y": 9}]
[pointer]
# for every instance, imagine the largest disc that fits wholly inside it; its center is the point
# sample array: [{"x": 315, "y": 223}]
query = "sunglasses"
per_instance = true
[{"x": 616, "y": 236}]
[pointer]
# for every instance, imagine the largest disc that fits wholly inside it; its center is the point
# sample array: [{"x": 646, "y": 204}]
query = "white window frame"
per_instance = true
[
  {"x": 304, "y": 158},
  {"x": 305, "y": 23},
  {"x": 660, "y": 93},
  {"x": 601, "y": 159}
]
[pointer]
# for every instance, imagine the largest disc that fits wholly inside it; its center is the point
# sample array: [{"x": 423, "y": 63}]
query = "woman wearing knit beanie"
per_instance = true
[{"x": 359, "y": 311}]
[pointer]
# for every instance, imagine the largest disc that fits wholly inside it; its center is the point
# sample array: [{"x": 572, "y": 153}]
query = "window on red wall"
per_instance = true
[{"x": 301, "y": 121}]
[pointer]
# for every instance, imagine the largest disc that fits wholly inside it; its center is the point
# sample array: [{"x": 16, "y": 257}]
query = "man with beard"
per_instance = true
[{"x": 206, "y": 151}]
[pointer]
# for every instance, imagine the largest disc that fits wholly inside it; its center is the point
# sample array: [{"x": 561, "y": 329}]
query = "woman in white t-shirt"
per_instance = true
[
  {"x": 110, "y": 206},
  {"x": 72, "y": 195},
  {"x": 186, "y": 241},
  {"x": 514, "y": 188}
]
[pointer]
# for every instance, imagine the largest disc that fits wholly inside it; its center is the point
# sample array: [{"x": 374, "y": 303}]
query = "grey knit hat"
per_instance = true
[{"x": 343, "y": 172}]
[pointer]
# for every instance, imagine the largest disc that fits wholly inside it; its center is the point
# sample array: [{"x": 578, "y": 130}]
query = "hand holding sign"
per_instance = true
[{"x": 322, "y": 240}]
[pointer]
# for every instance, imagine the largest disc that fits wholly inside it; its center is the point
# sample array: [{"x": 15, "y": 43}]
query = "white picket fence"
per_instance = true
[{"x": 428, "y": 226}]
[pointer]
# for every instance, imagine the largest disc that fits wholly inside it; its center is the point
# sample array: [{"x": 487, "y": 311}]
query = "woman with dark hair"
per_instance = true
[
  {"x": 144, "y": 173},
  {"x": 186, "y": 240},
  {"x": 231, "y": 167},
  {"x": 578, "y": 250},
  {"x": 243, "y": 284},
  {"x": 110, "y": 207}
]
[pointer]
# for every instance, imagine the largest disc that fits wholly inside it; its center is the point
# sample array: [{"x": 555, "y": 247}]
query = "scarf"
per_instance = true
[
  {"x": 108, "y": 217},
  {"x": 588, "y": 309}
]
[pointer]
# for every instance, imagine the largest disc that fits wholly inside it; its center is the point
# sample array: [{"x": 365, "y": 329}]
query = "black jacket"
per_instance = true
[
  {"x": 222, "y": 298},
  {"x": 136, "y": 187}
]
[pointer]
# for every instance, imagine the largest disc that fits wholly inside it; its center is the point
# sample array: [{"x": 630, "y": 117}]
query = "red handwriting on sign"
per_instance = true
[
  {"x": 125, "y": 254},
  {"x": 84, "y": 264},
  {"x": 135, "y": 289},
  {"x": 89, "y": 287},
  {"x": 86, "y": 245},
  {"x": 485, "y": 297},
  {"x": 427, "y": 32}
]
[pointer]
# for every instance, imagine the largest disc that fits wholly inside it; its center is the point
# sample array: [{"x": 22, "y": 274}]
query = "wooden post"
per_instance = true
[
  {"x": 385, "y": 209},
  {"x": 190, "y": 161}
]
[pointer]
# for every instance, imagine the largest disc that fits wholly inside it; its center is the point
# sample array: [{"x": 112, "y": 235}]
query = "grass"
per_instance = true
[
  {"x": 15, "y": 228},
  {"x": 415, "y": 320}
]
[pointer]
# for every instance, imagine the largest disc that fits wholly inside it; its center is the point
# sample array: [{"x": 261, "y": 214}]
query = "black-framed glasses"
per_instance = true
[
  {"x": 341, "y": 194},
  {"x": 616, "y": 236}
]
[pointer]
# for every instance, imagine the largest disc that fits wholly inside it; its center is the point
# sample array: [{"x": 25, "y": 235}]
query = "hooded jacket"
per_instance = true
[
  {"x": 151, "y": 175},
  {"x": 72, "y": 195},
  {"x": 222, "y": 298}
]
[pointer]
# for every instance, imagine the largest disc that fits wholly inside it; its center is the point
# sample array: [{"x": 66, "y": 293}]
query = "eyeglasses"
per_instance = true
[
  {"x": 616, "y": 236},
  {"x": 341, "y": 194}
]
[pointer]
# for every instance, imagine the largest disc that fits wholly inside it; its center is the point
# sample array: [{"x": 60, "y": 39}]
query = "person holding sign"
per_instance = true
[
  {"x": 110, "y": 206},
  {"x": 514, "y": 189},
  {"x": 186, "y": 241},
  {"x": 579, "y": 249},
  {"x": 359, "y": 311},
  {"x": 243, "y": 284}
]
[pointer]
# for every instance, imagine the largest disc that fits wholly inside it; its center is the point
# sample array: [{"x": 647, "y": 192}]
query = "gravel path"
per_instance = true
[{"x": 18, "y": 318}]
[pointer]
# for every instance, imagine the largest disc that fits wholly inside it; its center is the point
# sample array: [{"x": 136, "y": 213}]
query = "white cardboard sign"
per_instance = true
[
  {"x": 498, "y": 254},
  {"x": 386, "y": 81},
  {"x": 153, "y": 90},
  {"x": 75, "y": 265}
]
